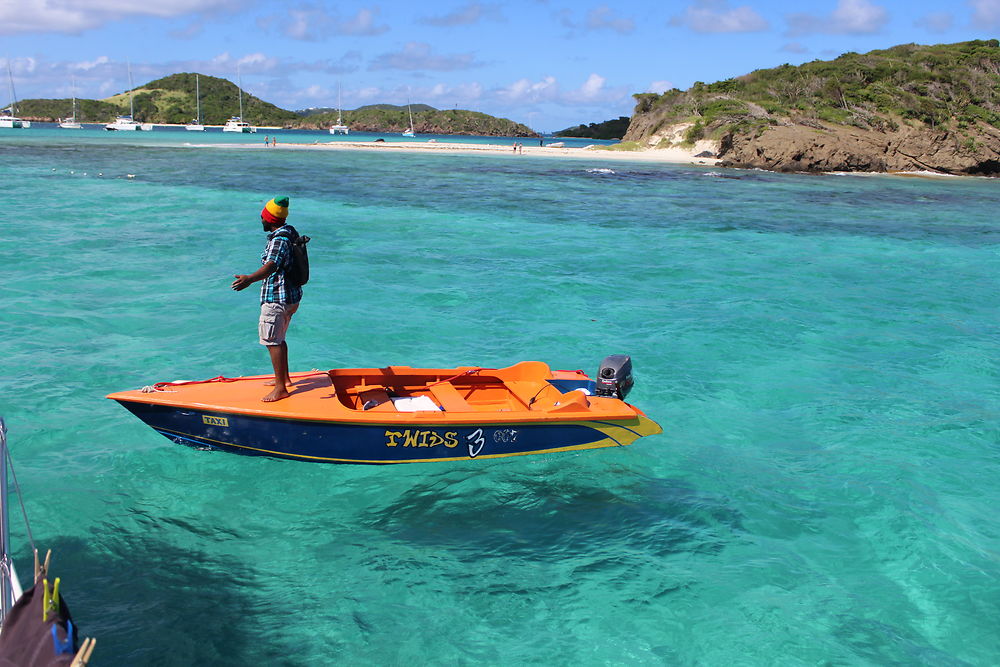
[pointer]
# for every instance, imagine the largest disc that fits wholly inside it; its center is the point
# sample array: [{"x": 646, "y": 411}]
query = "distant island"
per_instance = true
[
  {"x": 172, "y": 100},
  {"x": 609, "y": 129},
  {"x": 907, "y": 108}
]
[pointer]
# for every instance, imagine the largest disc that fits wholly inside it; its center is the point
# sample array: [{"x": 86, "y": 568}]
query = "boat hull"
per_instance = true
[
  {"x": 366, "y": 443},
  {"x": 395, "y": 414}
]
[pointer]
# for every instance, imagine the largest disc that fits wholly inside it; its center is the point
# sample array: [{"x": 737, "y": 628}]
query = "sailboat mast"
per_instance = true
[
  {"x": 13, "y": 95},
  {"x": 197, "y": 97},
  {"x": 131, "y": 109},
  {"x": 239, "y": 89},
  {"x": 339, "y": 110}
]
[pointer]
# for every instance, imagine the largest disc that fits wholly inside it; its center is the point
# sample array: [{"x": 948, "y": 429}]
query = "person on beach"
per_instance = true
[
  {"x": 267, "y": 140},
  {"x": 279, "y": 299}
]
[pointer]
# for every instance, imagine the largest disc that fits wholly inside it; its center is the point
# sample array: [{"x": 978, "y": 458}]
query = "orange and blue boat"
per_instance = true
[{"x": 400, "y": 414}]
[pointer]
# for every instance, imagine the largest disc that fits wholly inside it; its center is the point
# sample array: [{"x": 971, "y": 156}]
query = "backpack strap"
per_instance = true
[{"x": 287, "y": 235}]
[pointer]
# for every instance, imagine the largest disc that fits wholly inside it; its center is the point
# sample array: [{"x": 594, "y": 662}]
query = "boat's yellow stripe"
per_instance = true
[{"x": 604, "y": 442}]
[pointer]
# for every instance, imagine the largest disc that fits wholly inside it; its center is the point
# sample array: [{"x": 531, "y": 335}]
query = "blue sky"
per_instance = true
[{"x": 546, "y": 63}]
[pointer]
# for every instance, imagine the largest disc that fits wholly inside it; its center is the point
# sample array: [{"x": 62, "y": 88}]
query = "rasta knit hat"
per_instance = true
[{"x": 275, "y": 211}]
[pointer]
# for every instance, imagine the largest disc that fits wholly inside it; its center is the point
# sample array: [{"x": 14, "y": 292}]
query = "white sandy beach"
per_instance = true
[{"x": 675, "y": 154}]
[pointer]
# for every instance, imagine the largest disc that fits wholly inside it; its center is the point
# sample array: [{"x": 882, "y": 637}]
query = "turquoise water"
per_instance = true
[
  {"x": 821, "y": 352},
  {"x": 45, "y": 133}
]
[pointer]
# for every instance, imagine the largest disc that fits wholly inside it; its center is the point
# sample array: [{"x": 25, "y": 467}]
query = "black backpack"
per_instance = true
[{"x": 297, "y": 273}]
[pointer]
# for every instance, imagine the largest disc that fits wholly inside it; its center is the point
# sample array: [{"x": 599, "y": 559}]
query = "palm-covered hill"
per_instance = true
[
  {"x": 172, "y": 99},
  {"x": 938, "y": 106}
]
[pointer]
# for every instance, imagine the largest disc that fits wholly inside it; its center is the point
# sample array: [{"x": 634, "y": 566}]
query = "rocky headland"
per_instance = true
[{"x": 908, "y": 108}]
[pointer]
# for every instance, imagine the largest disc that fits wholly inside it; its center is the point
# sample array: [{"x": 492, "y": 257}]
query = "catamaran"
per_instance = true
[
  {"x": 409, "y": 132},
  {"x": 236, "y": 123},
  {"x": 339, "y": 128},
  {"x": 128, "y": 123},
  {"x": 10, "y": 119},
  {"x": 71, "y": 123},
  {"x": 196, "y": 125}
]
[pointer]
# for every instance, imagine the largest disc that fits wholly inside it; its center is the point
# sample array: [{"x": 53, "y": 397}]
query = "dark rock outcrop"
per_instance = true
[{"x": 822, "y": 148}]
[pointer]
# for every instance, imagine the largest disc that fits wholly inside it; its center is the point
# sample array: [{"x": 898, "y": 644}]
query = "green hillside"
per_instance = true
[
  {"x": 609, "y": 129},
  {"x": 172, "y": 100},
  {"x": 87, "y": 111},
  {"x": 305, "y": 113},
  {"x": 167, "y": 100},
  {"x": 944, "y": 87},
  {"x": 389, "y": 118}
]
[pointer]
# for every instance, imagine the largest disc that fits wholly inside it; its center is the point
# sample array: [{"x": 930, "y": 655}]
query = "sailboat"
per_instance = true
[
  {"x": 71, "y": 123},
  {"x": 10, "y": 119},
  {"x": 26, "y": 632},
  {"x": 236, "y": 123},
  {"x": 127, "y": 123},
  {"x": 195, "y": 125},
  {"x": 409, "y": 132},
  {"x": 339, "y": 128}
]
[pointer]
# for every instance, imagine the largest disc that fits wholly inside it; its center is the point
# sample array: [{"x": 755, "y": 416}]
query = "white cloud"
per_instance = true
[
  {"x": 227, "y": 66},
  {"x": 76, "y": 16},
  {"x": 602, "y": 18},
  {"x": 20, "y": 66},
  {"x": 469, "y": 14},
  {"x": 659, "y": 87},
  {"x": 985, "y": 13},
  {"x": 419, "y": 56},
  {"x": 438, "y": 95},
  {"x": 309, "y": 22},
  {"x": 526, "y": 91},
  {"x": 591, "y": 92},
  {"x": 715, "y": 16},
  {"x": 599, "y": 18},
  {"x": 362, "y": 24},
  {"x": 851, "y": 17},
  {"x": 935, "y": 22},
  {"x": 86, "y": 66},
  {"x": 592, "y": 87},
  {"x": 794, "y": 47}
]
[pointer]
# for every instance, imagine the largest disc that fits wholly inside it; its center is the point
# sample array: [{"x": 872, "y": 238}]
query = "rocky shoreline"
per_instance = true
[{"x": 821, "y": 148}]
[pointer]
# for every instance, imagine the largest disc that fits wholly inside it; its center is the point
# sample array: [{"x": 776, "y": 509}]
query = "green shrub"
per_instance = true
[{"x": 694, "y": 133}]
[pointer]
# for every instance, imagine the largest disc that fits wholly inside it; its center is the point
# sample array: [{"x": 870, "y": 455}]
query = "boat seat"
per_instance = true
[
  {"x": 374, "y": 393},
  {"x": 448, "y": 398},
  {"x": 571, "y": 401},
  {"x": 524, "y": 370},
  {"x": 531, "y": 393}
]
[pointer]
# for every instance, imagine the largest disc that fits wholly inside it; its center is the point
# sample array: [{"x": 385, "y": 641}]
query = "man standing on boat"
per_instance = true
[{"x": 279, "y": 298}]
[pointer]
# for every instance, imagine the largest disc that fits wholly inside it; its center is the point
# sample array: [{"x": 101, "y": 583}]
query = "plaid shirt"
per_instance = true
[{"x": 274, "y": 289}]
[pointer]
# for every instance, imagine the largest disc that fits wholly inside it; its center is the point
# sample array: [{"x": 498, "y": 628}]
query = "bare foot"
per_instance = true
[
  {"x": 276, "y": 394},
  {"x": 290, "y": 386}
]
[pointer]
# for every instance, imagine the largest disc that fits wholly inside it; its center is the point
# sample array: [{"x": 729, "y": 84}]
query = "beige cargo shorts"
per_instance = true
[{"x": 273, "y": 324}]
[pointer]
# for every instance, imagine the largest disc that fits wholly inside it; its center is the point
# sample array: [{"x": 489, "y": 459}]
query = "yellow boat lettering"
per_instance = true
[
  {"x": 420, "y": 438},
  {"x": 215, "y": 421}
]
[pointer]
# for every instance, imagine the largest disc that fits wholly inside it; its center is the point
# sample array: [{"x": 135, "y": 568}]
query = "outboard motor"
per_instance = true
[{"x": 614, "y": 378}]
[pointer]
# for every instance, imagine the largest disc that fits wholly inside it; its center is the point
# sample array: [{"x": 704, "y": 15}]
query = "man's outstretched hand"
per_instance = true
[{"x": 241, "y": 282}]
